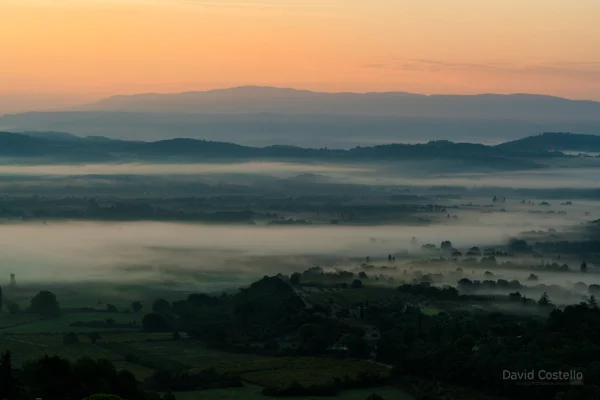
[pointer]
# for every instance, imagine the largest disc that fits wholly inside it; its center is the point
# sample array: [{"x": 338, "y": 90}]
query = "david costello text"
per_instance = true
[{"x": 543, "y": 377}]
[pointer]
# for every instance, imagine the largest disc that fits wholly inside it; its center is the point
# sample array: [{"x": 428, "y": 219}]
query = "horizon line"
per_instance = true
[{"x": 256, "y": 86}]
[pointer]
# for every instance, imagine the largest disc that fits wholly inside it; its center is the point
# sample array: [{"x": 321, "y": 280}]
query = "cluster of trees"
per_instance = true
[
  {"x": 55, "y": 378},
  {"x": 472, "y": 350},
  {"x": 265, "y": 310},
  {"x": 43, "y": 304}
]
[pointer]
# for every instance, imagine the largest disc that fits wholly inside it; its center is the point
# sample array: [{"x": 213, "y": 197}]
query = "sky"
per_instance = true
[{"x": 59, "y": 52}]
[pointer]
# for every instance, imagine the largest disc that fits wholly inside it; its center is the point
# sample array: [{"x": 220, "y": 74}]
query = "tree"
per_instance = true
[
  {"x": 0, "y": 299},
  {"x": 356, "y": 284},
  {"x": 93, "y": 336},
  {"x": 162, "y": 306},
  {"x": 13, "y": 308},
  {"x": 593, "y": 303},
  {"x": 544, "y": 300},
  {"x": 136, "y": 306},
  {"x": 13, "y": 282},
  {"x": 446, "y": 245},
  {"x": 8, "y": 384},
  {"x": 45, "y": 304},
  {"x": 155, "y": 322},
  {"x": 583, "y": 267},
  {"x": 295, "y": 278},
  {"x": 356, "y": 345},
  {"x": 308, "y": 331},
  {"x": 111, "y": 308},
  {"x": 70, "y": 338}
]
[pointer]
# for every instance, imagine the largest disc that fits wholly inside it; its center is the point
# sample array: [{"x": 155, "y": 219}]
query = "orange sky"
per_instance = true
[{"x": 71, "y": 50}]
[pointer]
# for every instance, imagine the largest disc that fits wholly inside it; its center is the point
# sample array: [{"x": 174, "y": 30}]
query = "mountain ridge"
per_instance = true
[
  {"x": 267, "y": 99},
  {"x": 96, "y": 148}
]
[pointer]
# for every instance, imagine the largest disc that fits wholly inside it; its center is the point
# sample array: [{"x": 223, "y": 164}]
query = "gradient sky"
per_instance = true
[{"x": 61, "y": 51}]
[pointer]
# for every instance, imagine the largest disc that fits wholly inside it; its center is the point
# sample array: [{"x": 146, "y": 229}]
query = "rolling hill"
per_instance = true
[
  {"x": 60, "y": 148},
  {"x": 555, "y": 141},
  {"x": 256, "y": 99}
]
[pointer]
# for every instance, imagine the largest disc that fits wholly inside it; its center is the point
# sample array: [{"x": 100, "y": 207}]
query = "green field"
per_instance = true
[
  {"x": 349, "y": 298},
  {"x": 26, "y": 347},
  {"x": 430, "y": 311},
  {"x": 193, "y": 354},
  {"x": 307, "y": 371},
  {"x": 62, "y": 324},
  {"x": 254, "y": 393}
]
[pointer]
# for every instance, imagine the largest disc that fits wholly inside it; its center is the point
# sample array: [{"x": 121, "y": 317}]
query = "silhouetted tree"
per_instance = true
[
  {"x": 45, "y": 304},
  {"x": 0, "y": 299},
  {"x": 154, "y": 322},
  {"x": 446, "y": 245},
  {"x": 356, "y": 284},
  {"x": 13, "y": 308},
  {"x": 308, "y": 331},
  {"x": 8, "y": 384},
  {"x": 593, "y": 303},
  {"x": 544, "y": 300},
  {"x": 111, "y": 308},
  {"x": 162, "y": 306},
  {"x": 295, "y": 278},
  {"x": 583, "y": 267},
  {"x": 13, "y": 281},
  {"x": 93, "y": 336},
  {"x": 136, "y": 306}
]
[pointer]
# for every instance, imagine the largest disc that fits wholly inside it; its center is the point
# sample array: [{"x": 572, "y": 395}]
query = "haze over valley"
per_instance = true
[{"x": 308, "y": 200}]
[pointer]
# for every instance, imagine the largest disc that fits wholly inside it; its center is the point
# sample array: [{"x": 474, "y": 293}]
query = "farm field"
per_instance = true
[
  {"x": 193, "y": 354},
  {"x": 307, "y": 371},
  {"x": 251, "y": 392},
  {"x": 26, "y": 347},
  {"x": 62, "y": 324}
]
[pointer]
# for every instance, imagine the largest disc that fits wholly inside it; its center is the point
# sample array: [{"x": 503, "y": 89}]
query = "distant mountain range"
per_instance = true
[
  {"x": 261, "y": 116},
  {"x": 59, "y": 147},
  {"x": 256, "y": 99}
]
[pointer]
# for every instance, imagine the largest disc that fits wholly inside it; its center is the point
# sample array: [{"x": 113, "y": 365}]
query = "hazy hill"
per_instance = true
[
  {"x": 297, "y": 130},
  {"x": 260, "y": 116},
  {"x": 555, "y": 141},
  {"x": 253, "y": 99},
  {"x": 54, "y": 148}
]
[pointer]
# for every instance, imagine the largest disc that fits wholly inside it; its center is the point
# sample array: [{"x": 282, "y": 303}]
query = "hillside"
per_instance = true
[
  {"x": 254, "y": 99},
  {"x": 55, "y": 148},
  {"x": 554, "y": 141}
]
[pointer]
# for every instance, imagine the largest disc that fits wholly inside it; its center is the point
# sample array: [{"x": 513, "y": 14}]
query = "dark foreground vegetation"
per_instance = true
[{"x": 424, "y": 339}]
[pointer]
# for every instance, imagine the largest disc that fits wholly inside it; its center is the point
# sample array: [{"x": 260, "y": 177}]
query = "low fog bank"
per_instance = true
[
  {"x": 122, "y": 252},
  {"x": 420, "y": 174}
]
